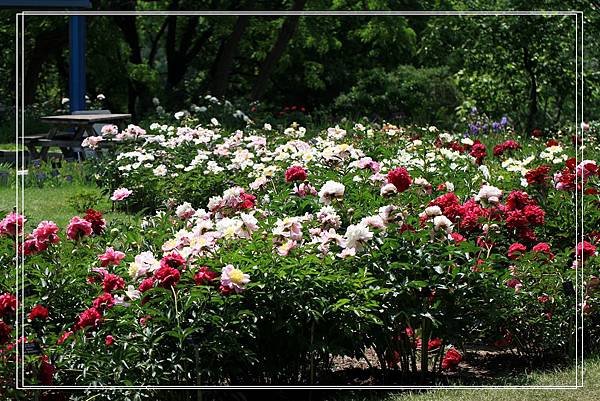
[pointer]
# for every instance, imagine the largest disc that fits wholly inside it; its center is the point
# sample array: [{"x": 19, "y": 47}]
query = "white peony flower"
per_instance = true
[{"x": 331, "y": 190}]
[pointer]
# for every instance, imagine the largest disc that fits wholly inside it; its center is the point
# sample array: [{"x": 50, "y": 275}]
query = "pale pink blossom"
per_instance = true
[{"x": 121, "y": 194}]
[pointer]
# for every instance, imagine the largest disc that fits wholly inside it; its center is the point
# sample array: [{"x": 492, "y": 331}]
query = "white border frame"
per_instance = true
[{"x": 19, "y": 190}]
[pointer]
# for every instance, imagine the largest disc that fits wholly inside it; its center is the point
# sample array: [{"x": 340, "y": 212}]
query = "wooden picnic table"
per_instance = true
[{"x": 68, "y": 131}]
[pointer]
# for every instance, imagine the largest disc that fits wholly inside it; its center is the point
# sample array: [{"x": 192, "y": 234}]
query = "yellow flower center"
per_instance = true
[{"x": 236, "y": 276}]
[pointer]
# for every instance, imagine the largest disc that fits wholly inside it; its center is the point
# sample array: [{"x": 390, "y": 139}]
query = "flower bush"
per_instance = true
[{"x": 265, "y": 253}]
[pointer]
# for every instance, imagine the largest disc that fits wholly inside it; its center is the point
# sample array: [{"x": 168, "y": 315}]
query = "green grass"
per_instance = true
[
  {"x": 53, "y": 203},
  {"x": 563, "y": 377}
]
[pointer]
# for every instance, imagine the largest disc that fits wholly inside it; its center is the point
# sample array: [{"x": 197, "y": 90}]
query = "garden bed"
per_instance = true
[{"x": 281, "y": 255}]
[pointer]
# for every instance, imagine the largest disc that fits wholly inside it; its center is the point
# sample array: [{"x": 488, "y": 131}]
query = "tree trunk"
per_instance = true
[
  {"x": 45, "y": 47},
  {"x": 533, "y": 102},
  {"x": 223, "y": 64},
  {"x": 285, "y": 35}
]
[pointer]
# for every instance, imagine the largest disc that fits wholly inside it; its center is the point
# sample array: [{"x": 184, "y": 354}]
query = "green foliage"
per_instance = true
[{"x": 420, "y": 95}]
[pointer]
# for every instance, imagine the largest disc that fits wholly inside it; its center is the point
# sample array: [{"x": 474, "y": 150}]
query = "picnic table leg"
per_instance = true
[
  {"x": 44, "y": 153},
  {"x": 33, "y": 153}
]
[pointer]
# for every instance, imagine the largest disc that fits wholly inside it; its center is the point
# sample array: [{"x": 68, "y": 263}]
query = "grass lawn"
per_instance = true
[
  {"x": 564, "y": 377},
  {"x": 55, "y": 203}
]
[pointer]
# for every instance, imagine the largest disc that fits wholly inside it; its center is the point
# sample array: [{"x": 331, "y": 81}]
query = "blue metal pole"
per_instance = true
[{"x": 77, "y": 67}]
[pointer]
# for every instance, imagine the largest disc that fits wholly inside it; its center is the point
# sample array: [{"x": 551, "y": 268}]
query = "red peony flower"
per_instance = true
[
  {"x": 295, "y": 173},
  {"x": 225, "y": 290},
  {"x": 538, "y": 176},
  {"x": 478, "y": 151},
  {"x": 103, "y": 301},
  {"x": 248, "y": 201},
  {"x": 515, "y": 250},
  {"x": 552, "y": 142},
  {"x": 112, "y": 282},
  {"x": 534, "y": 214},
  {"x": 46, "y": 372},
  {"x": 95, "y": 218},
  {"x": 585, "y": 250},
  {"x": 167, "y": 276},
  {"x": 64, "y": 336},
  {"x": 204, "y": 276},
  {"x": 451, "y": 359},
  {"x": 5, "y": 331},
  {"x": 88, "y": 318},
  {"x": 8, "y": 304},
  {"x": 458, "y": 238},
  {"x": 173, "y": 259},
  {"x": 146, "y": 284},
  {"x": 517, "y": 200},
  {"x": 400, "y": 178},
  {"x": 543, "y": 247},
  {"x": 38, "y": 312}
]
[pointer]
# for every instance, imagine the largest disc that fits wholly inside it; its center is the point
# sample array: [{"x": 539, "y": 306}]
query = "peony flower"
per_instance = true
[
  {"x": 166, "y": 276},
  {"x": 388, "y": 190},
  {"x": 584, "y": 250},
  {"x": 95, "y": 218},
  {"x": 489, "y": 194},
  {"x": 451, "y": 359},
  {"x": 46, "y": 232},
  {"x": 515, "y": 250},
  {"x": 146, "y": 284},
  {"x": 204, "y": 276},
  {"x": 173, "y": 259},
  {"x": 109, "y": 340},
  {"x": 112, "y": 282},
  {"x": 331, "y": 190},
  {"x": 121, "y": 194},
  {"x": 111, "y": 257},
  {"x": 400, "y": 178},
  {"x": 356, "y": 236},
  {"x": 103, "y": 301},
  {"x": 12, "y": 224},
  {"x": 88, "y": 318},
  {"x": 38, "y": 312},
  {"x": 234, "y": 278},
  {"x": 79, "y": 228},
  {"x": 543, "y": 247},
  {"x": 185, "y": 211},
  {"x": 443, "y": 223},
  {"x": 295, "y": 173}
]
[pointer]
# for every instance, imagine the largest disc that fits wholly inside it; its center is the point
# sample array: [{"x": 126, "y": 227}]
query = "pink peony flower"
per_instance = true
[
  {"x": 234, "y": 278},
  {"x": 109, "y": 340},
  {"x": 78, "y": 228},
  {"x": 121, "y": 194},
  {"x": 12, "y": 224},
  {"x": 111, "y": 257},
  {"x": 46, "y": 232}
]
